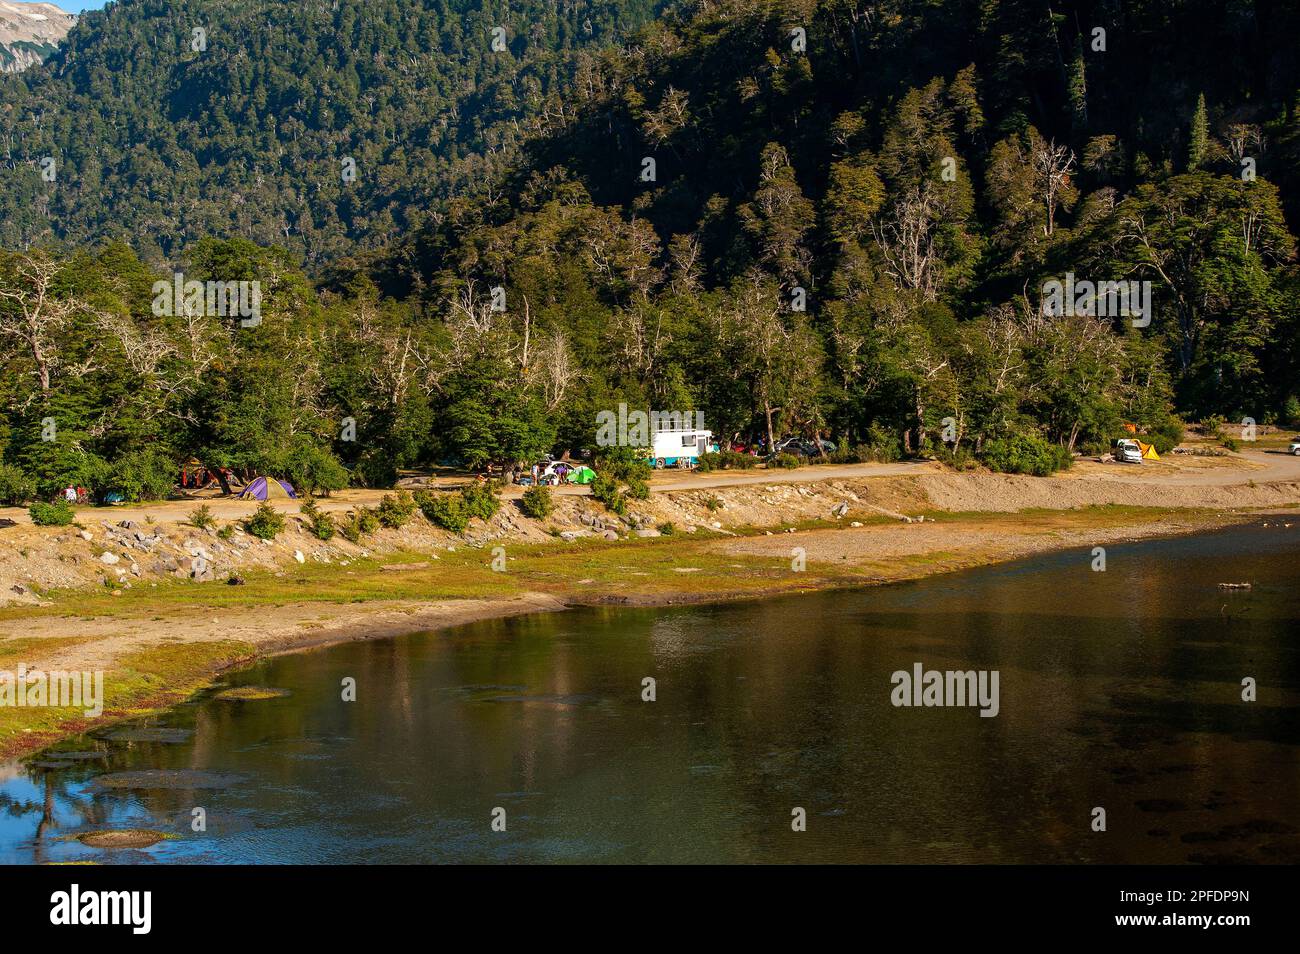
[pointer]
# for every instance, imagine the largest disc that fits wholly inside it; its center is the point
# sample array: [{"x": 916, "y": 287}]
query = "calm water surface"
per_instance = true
[{"x": 1119, "y": 689}]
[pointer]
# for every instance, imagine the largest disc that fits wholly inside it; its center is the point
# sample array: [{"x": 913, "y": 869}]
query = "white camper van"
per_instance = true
[{"x": 679, "y": 448}]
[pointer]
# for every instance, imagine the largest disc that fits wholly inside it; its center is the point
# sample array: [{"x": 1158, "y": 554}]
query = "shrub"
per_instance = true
[
  {"x": 444, "y": 510},
  {"x": 960, "y": 459},
  {"x": 482, "y": 500},
  {"x": 714, "y": 504},
  {"x": 265, "y": 523},
  {"x": 312, "y": 469},
  {"x": 667, "y": 528},
  {"x": 1025, "y": 454},
  {"x": 537, "y": 503},
  {"x": 637, "y": 489},
  {"x": 1291, "y": 411},
  {"x": 226, "y": 532},
  {"x": 16, "y": 488},
  {"x": 622, "y": 464},
  {"x": 375, "y": 469},
  {"x": 1212, "y": 425},
  {"x": 148, "y": 474},
  {"x": 395, "y": 510},
  {"x": 725, "y": 460},
  {"x": 360, "y": 523},
  {"x": 1165, "y": 436},
  {"x": 784, "y": 461},
  {"x": 57, "y": 514},
  {"x": 605, "y": 489},
  {"x": 202, "y": 518},
  {"x": 351, "y": 528},
  {"x": 320, "y": 524},
  {"x": 1232, "y": 444}
]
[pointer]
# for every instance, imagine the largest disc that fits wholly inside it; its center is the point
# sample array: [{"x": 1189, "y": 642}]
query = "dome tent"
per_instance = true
[{"x": 266, "y": 488}]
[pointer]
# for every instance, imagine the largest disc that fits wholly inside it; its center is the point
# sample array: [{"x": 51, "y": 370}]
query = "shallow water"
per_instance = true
[{"x": 1119, "y": 689}]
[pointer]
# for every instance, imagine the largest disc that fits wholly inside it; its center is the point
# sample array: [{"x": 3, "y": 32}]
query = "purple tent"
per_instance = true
[{"x": 262, "y": 488}]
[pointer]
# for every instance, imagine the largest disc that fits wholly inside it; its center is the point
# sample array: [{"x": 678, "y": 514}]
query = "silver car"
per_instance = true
[{"x": 1128, "y": 452}]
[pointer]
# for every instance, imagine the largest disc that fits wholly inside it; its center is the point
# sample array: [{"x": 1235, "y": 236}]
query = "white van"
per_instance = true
[{"x": 679, "y": 448}]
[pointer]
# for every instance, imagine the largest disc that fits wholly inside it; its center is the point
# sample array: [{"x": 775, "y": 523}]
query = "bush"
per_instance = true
[
  {"x": 360, "y": 523},
  {"x": 482, "y": 500},
  {"x": 265, "y": 523},
  {"x": 667, "y": 528},
  {"x": 1025, "y": 454},
  {"x": 1232, "y": 444},
  {"x": 57, "y": 514},
  {"x": 226, "y": 532},
  {"x": 16, "y": 488},
  {"x": 623, "y": 464},
  {"x": 320, "y": 524},
  {"x": 637, "y": 489},
  {"x": 1212, "y": 426},
  {"x": 725, "y": 460},
  {"x": 784, "y": 461},
  {"x": 202, "y": 518},
  {"x": 960, "y": 459},
  {"x": 375, "y": 469},
  {"x": 444, "y": 510},
  {"x": 1291, "y": 411},
  {"x": 351, "y": 528},
  {"x": 713, "y": 504},
  {"x": 312, "y": 469},
  {"x": 1165, "y": 436},
  {"x": 395, "y": 510},
  {"x": 148, "y": 474},
  {"x": 605, "y": 489},
  {"x": 537, "y": 503}
]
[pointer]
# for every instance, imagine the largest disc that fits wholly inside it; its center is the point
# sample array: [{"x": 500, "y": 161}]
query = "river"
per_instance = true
[{"x": 1118, "y": 690}]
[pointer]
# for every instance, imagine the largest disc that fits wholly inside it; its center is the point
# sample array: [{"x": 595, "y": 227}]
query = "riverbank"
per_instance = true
[{"x": 157, "y": 641}]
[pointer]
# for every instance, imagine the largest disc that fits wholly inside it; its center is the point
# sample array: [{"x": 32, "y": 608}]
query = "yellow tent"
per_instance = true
[{"x": 1148, "y": 451}]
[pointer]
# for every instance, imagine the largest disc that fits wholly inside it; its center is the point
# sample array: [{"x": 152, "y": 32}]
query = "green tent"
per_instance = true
[{"x": 583, "y": 475}]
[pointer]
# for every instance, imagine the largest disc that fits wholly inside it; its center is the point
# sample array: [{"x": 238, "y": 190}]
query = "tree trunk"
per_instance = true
[{"x": 221, "y": 478}]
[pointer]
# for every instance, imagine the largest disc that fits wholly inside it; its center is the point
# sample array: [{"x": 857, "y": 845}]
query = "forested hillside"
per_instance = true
[
  {"x": 165, "y": 135},
  {"x": 830, "y": 217}
]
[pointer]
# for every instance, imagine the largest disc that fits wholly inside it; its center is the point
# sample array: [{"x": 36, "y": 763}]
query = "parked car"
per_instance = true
[
  {"x": 1128, "y": 452},
  {"x": 1295, "y": 447}
]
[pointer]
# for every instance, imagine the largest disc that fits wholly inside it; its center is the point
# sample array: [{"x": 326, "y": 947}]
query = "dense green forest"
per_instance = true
[
  {"x": 823, "y": 217},
  {"x": 163, "y": 136}
]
